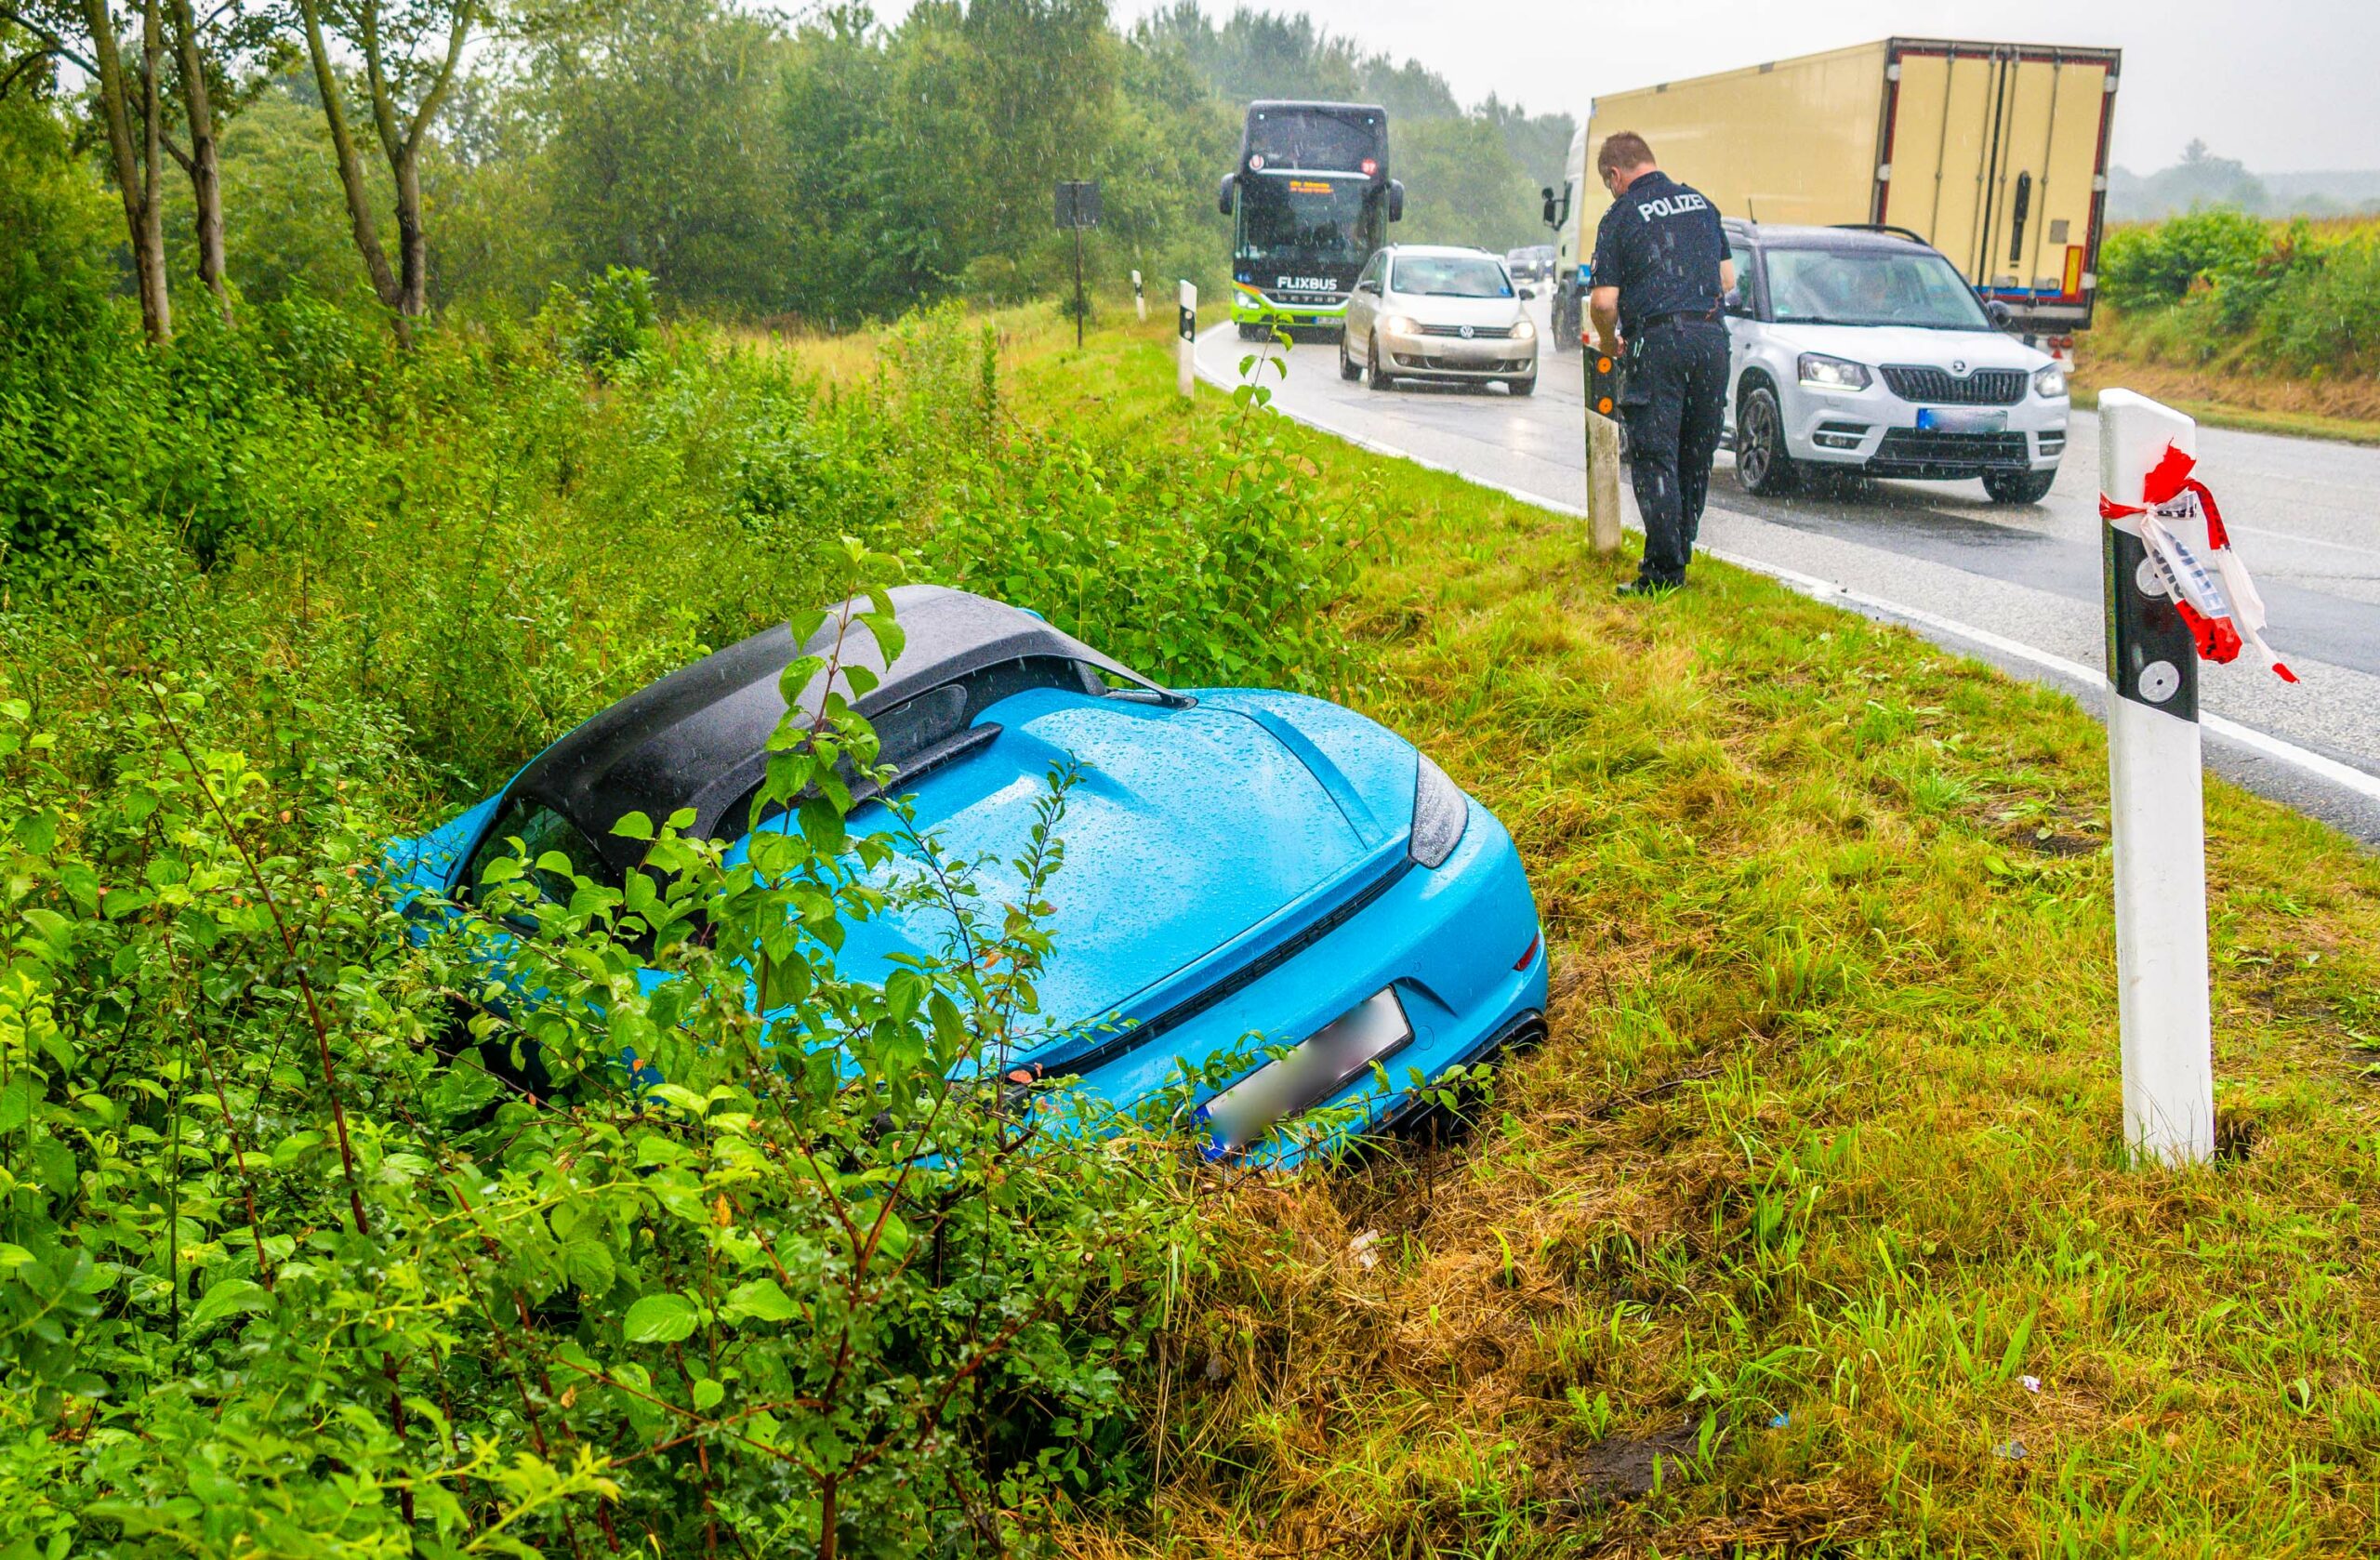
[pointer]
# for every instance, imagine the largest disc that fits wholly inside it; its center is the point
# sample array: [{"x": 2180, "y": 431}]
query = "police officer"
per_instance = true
[{"x": 1661, "y": 269}]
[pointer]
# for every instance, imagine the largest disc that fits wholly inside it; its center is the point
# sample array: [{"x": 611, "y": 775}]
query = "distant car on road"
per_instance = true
[
  {"x": 1430, "y": 312},
  {"x": 1530, "y": 264},
  {"x": 1238, "y": 862},
  {"x": 1863, "y": 350}
]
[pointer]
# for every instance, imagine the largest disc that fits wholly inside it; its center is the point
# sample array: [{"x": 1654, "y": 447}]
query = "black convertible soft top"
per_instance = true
[{"x": 699, "y": 737}]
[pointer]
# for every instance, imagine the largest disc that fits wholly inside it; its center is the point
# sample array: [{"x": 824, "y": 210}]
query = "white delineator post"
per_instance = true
[
  {"x": 2156, "y": 808},
  {"x": 1186, "y": 372},
  {"x": 1139, "y": 302}
]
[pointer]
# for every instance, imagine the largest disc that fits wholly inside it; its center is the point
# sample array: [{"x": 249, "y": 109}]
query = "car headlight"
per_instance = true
[
  {"x": 1524, "y": 331},
  {"x": 1821, "y": 371},
  {"x": 1440, "y": 811},
  {"x": 2049, "y": 382},
  {"x": 1397, "y": 325}
]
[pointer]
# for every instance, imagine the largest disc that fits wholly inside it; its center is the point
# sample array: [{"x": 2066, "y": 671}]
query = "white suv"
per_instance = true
[{"x": 1864, "y": 350}]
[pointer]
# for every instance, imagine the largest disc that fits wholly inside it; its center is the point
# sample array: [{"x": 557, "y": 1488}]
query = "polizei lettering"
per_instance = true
[{"x": 1671, "y": 205}]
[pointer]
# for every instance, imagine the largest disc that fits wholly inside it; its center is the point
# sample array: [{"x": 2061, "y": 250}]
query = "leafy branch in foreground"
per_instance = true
[{"x": 778, "y": 1259}]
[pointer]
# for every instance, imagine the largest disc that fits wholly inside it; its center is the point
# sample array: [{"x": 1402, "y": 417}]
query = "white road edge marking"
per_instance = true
[{"x": 2316, "y": 765}]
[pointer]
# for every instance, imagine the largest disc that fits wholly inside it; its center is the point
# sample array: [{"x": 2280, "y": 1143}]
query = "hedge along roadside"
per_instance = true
[{"x": 284, "y": 1263}]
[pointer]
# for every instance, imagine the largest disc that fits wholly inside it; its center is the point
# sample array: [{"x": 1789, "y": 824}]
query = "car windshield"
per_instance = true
[
  {"x": 1872, "y": 287},
  {"x": 1451, "y": 276}
]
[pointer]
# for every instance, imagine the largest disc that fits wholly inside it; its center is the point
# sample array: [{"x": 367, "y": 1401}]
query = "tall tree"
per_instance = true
[
  {"x": 201, "y": 160},
  {"x": 410, "y": 50},
  {"x": 131, "y": 112}
]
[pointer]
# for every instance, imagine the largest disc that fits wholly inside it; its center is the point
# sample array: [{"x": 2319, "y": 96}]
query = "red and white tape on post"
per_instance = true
[{"x": 2222, "y": 609}]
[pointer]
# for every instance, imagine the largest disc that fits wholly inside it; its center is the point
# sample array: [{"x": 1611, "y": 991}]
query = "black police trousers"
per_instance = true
[{"x": 1674, "y": 402}]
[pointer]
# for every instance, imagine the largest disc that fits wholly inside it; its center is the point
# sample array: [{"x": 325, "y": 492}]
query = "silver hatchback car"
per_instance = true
[{"x": 1429, "y": 311}]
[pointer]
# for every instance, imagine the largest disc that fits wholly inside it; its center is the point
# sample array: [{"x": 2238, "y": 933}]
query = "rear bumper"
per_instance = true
[{"x": 1462, "y": 945}]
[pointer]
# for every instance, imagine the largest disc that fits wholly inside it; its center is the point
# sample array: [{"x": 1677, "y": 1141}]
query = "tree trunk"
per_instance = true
[
  {"x": 152, "y": 156},
  {"x": 350, "y": 172},
  {"x": 141, "y": 221},
  {"x": 401, "y": 140},
  {"x": 206, "y": 170},
  {"x": 413, "y": 242}
]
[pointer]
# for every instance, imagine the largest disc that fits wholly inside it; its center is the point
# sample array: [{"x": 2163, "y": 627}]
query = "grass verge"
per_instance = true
[
  {"x": 1810, "y": 1229},
  {"x": 2200, "y": 396}
]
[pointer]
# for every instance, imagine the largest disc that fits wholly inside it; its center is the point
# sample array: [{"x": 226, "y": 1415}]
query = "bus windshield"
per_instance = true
[
  {"x": 1872, "y": 287},
  {"x": 1290, "y": 218}
]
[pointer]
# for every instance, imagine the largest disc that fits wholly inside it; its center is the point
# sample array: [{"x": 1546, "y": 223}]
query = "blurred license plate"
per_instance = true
[
  {"x": 1310, "y": 1072},
  {"x": 1961, "y": 419}
]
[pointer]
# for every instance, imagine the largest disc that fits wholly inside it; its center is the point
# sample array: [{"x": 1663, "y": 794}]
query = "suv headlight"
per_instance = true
[
  {"x": 1821, "y": 371},
  {"x": 1397, "y": 325},
  {"x": 1440, "y": 811},
  {"x": 2049, "y": 382},
  {"x": 1524, "y": 331}
]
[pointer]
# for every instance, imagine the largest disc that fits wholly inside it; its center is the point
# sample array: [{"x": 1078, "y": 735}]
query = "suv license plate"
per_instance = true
[
  {"x": 1310, "y": 1072},
  {"x": 1961, "y": 419}
]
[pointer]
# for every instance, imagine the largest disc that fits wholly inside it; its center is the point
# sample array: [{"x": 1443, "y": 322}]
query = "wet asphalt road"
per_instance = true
[{"x": 2304, "y": 514}]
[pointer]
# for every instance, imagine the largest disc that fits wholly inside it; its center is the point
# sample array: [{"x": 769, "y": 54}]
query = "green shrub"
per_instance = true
[
  {"x": 286, "y": 1266},
  {"x": 2144, "y": 267},
  {"x": 2326, "y": 316},
  {"x": 617, "y": 317}
]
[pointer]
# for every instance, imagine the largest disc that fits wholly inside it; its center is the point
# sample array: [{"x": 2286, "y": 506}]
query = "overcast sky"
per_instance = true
[{"x": 2283, "y": 86}]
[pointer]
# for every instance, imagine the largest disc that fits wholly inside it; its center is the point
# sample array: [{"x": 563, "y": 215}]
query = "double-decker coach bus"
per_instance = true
[{"x": 1313, "y": 199}]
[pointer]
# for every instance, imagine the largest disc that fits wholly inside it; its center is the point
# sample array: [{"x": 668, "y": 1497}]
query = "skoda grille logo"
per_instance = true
[
  {"x": 1958, "y": 366},
  {"x": 1466, "y": 333}
]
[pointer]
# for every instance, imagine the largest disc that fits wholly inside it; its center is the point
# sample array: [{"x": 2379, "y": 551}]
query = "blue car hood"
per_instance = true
[{"x": 1188, "y": 828}]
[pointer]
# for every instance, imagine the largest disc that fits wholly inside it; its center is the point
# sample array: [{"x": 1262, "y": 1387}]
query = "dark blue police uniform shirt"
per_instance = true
[{"x": 1660, "y": 245}]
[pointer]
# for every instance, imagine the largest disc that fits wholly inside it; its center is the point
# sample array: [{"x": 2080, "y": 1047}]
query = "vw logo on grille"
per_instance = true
[{"x": 1466, "y": 333}]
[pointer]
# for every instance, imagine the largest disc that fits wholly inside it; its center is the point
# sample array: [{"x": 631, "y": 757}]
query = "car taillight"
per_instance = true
[{"x": 1529, "y": 953}]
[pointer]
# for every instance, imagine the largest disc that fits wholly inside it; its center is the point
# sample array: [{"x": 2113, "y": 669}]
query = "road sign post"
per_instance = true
[
  {"x": 1185, "y": 349},
  {"x": 1078, "y": 208},
  {"x": 1603, "y": 451},
  {"x": 1140, "y": 302},
  {"x": 2156, "y": 810}
]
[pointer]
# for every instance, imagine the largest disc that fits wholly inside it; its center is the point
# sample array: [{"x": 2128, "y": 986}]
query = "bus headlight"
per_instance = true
[{"x": 2049, "y": 382}]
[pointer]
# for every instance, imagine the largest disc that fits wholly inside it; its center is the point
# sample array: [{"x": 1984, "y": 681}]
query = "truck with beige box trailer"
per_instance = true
[{"x": 1996, "y": 154}]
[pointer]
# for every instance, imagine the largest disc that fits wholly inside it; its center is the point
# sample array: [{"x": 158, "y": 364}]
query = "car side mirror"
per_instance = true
[
  {"x": 1527, "y": 293},
  {"x": 1396, "y": 201},
  {"x": 2001, "y": 315},
  {"x": 1224, "y": 195},
  {"x": 1734, "y": 302}
]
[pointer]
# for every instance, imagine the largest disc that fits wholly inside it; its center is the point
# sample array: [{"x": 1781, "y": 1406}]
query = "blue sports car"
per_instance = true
[{"x": 1238, "y": 863}]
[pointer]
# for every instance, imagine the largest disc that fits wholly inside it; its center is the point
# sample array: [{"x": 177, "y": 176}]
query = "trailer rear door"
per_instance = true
[{"x": 1998, "y": 155}]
